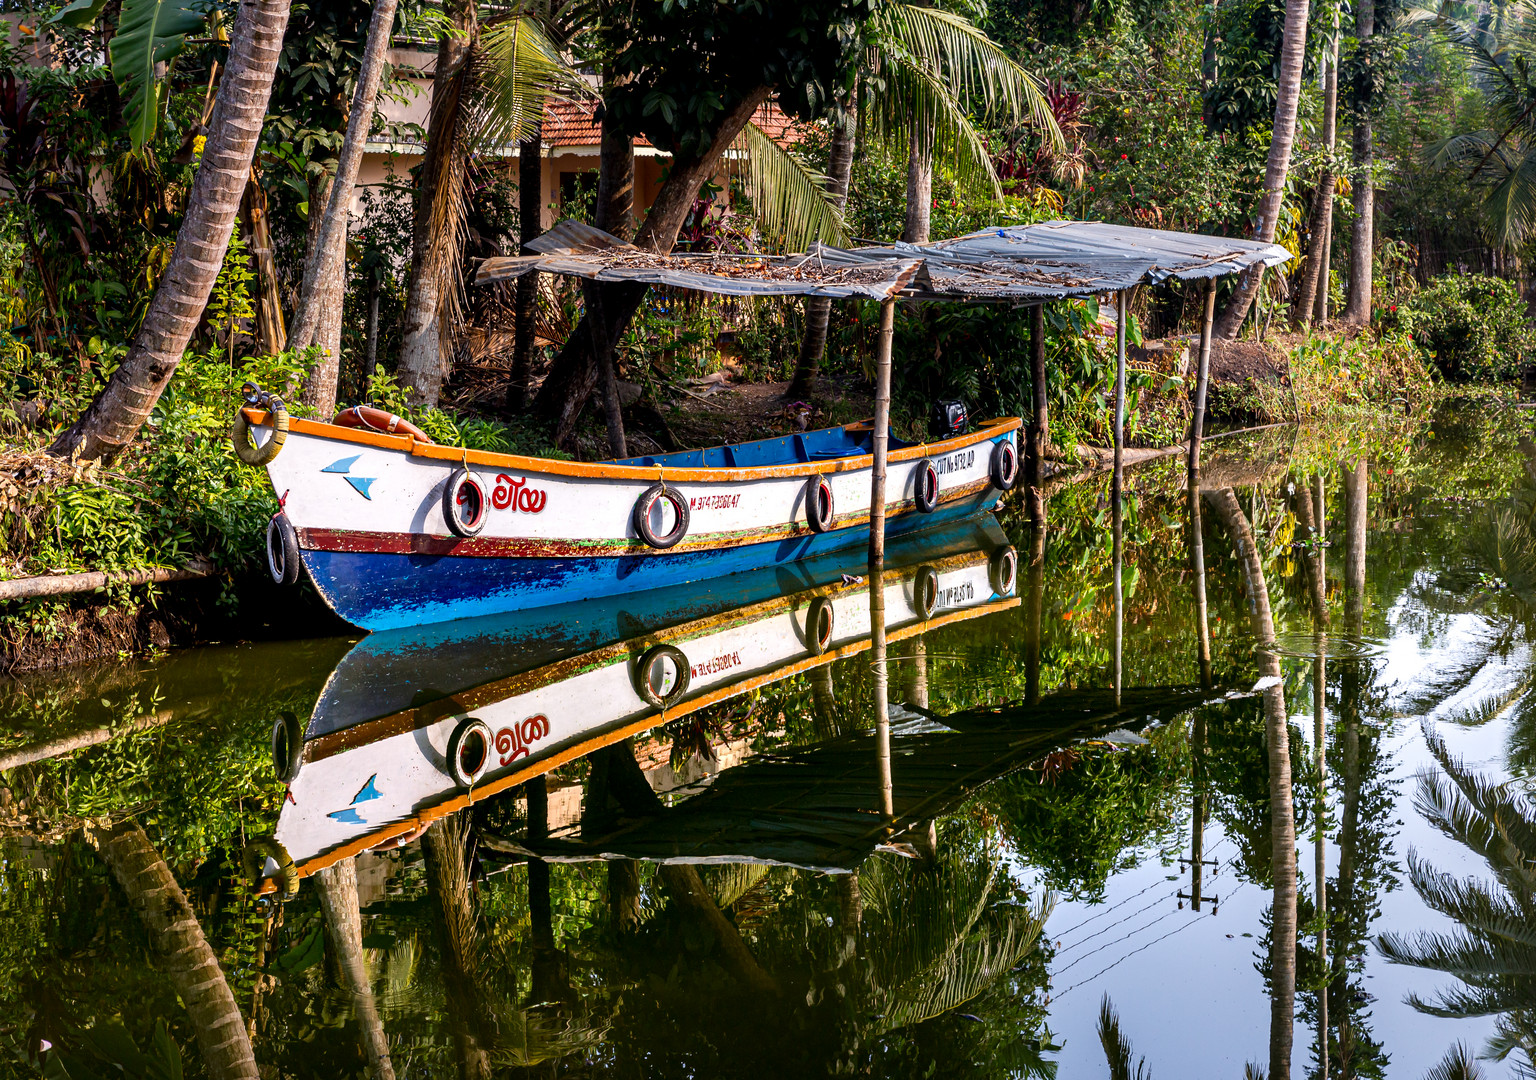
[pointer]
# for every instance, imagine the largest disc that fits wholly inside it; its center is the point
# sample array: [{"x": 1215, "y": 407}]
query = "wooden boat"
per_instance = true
[
  {"x": 395, "y": 530},
  {"x": 417, "y": 724}
]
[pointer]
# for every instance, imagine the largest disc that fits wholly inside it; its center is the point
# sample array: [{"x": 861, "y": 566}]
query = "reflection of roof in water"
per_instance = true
[{"x": 817, "y": 807}]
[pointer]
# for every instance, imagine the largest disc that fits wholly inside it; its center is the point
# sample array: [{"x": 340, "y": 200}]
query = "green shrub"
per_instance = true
[{"x": 1473, "y": 326}]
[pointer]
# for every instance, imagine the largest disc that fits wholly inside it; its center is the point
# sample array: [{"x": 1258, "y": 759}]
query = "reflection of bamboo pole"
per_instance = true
[
  {"x": 177, "y": 938},
  {"x": 1320, "y": 843},
  {"x": 1281, "y": 807},
  {"x": 1356, "y": 499},
  {"x": 1197, "y": 568},
  {"x": 882, "y": 433},
  {"x": 1118, "y": 525},
  {"x": 337, "y": 885},
  {"x": 917, "y": 682},
  {"x": 882, "y": 697},
  {"x": 1117, "y": 481},
  {"x": 1035, "y": 608},
  {"x": 1039, "y": 434}
]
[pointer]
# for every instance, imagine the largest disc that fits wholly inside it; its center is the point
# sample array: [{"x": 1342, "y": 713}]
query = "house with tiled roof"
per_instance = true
[{"x": 571, "y": 142}]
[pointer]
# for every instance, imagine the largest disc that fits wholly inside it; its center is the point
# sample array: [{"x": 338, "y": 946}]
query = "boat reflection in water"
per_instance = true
[{"x": 416, "y": 724}]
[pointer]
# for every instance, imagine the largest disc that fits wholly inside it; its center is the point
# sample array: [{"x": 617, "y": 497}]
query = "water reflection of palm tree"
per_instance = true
[
  {"x": 1493, "y": 953},
  {"x": 1282, "y": 961},
  {"x": 337, "y": 886}
]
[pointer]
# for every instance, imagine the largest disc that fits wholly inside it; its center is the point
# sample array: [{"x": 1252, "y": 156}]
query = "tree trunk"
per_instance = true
[
  {"x": 615, "y": 178},
  {"x": 271, "y": 334},
  {"x": 371, "y": 339},
  {"x": 445, "y": 850},
  {"x": 177, "y": 937},
  {"x": 337, "y": 886},
  {"x": 919, "y": 188},
  {"x": 114, "y": 418},
  {"x": 1362, "y": 232},
  {"x": 1312, "y": 301},
  {"x": 530, "y": 223},
  {"x": 1293, "y": 51},
  {"x": 318, "y": 318},
  {"x": 818, "y": 309},
  {"x": 434, "y": 232},
  {"x": 1281, "y": 808},
  {"x": 574, "y": 372}
]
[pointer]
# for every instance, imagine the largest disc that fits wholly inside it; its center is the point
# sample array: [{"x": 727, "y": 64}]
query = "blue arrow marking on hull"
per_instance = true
[
  {"x": 344, "y": 465},
  {"x": 362, "y": 484}
]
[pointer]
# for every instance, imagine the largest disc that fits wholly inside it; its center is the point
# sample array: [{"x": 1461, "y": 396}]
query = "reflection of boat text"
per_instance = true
[
  {"x": 724, "y": 662},
  {"x": 956, "y": 594},
  {"x": 514, "y": 742}
]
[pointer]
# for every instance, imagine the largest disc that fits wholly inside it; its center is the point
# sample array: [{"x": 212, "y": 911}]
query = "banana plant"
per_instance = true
[{"x": 149, "y": 32}]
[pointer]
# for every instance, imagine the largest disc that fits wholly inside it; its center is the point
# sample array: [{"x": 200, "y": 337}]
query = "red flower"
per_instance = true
[{"x": 1122, "y": 157}]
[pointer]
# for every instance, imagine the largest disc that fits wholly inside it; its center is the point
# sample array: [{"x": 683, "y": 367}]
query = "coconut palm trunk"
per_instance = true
[
  {"x": 1293, "y": 50},
  {"x": 1362, "y": 232},
  {"x": 530, "y": 222},
  {"x": 337, "y": 886},
  {"x": 114, "y": 418},
  {"x": 433, "y": 244},
  {"x": 1282, "y": 956},
  {"x": 818, "y": 309},
  {"x": 574, "y": 373},
  {"x": 318, "y": 318},
  {"x": 181, "y": 949},
  {"x": 919, "y": 189},
  {"x": 1312, "y": 301},
  {"x": 445, "y": 850}
]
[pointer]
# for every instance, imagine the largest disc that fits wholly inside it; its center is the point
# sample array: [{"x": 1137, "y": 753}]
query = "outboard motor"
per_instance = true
[{"x": 949, "y": 418}]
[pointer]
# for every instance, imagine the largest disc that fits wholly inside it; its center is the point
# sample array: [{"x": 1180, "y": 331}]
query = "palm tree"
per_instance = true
[
  {"x": 1281, "y": 808},
  {"x": 1493, "y": 951},
  {"x": 1362, "y": 233},
  {"x": 1312, "y": 303},
  {"x": 1502, "y": 158},
  {"x": 1293, "y": 51},
  {"x": 489, "y": 90},
  {"x": 115, "y": 416},
  {"x": 337, "y": 886},
  {"x": 932, "y": 64},
  {"x": 183, "y": 951},
  {"x": 318, "y": 318}
]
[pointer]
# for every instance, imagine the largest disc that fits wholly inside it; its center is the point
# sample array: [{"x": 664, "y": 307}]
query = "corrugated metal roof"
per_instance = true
[
  {"x": 581, "y": 251},
  {"x": 1016, "y": 264}
]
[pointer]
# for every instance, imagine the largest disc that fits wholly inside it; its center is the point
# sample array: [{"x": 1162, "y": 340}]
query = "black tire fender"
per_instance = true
[
  {"x": 287, "y": 747},
  {"x": 283, "y": 558},
  {"x": 1004, "y": 467},
  {"x": 1003, "y": 570},
  {"x": 649, "y": 679},
  {"x": 465, "y": 506},
  {"x": 819, "y": 509},
  {"x": 925, "y": 486},
  {"x": 469, "y": 751},
  {"x": 819, "y": 624},
  {"x": 925, "y": 592},
  {"x": 642, "y": 516},
  {"x": 240, "y": 436}
]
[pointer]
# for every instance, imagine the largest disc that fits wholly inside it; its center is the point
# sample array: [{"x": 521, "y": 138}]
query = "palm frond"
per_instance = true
[
  {"x": 917, "y": 107},
  {"x": 1458, "y": 1064},
  {"x": 973, "y": 66},
  {"x": 1117, "y": 1048},
  {"x": 1475, "y": 906},
  {"x": 1493, "y": 819},
  {"x": 517, "y": 70},
  {"x": 1510, "y": 204},
  {"x": 789, "y": 198}
]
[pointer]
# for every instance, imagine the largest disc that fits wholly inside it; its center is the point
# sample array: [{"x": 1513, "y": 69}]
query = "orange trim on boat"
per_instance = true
[
  {"x": 635, "y": 727},
  {"x": 989, "y": 430}
]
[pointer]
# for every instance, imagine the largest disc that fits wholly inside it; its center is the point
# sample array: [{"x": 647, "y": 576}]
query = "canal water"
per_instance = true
[{"x": 1147, "y": 783}]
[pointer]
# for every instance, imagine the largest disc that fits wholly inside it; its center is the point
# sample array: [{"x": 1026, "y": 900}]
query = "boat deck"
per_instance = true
[{"x": 800, "y": 448}]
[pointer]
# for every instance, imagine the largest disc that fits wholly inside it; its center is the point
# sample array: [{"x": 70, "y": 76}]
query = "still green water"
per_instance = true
[{"x": 762, "y": 879}]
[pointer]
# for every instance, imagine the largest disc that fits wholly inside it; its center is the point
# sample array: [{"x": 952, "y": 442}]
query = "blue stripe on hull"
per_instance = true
[{"x": 387, "y": 591}]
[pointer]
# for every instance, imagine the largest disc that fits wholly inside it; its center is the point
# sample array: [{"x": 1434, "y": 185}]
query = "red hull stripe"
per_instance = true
[{"x": 527, "y": 547}]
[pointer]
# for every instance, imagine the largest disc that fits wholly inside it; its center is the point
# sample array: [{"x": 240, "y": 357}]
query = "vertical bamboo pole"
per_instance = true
[
  {"x": 1202, "y": 381},
  {"x": 1197, "y": 567},
  {"x": 1116, "y": 483},
  {"x": 1041, "y": 431},
  {"x": 881, "y": 438}
]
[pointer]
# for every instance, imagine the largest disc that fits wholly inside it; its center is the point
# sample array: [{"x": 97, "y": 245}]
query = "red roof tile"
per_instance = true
[{"x": 571, "y": 123}]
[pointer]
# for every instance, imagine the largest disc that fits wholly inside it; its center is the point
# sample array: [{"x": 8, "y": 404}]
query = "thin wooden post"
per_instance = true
[
  {"x": 1197, "y": 566},
  {"x": 882, "y": 434},
  {"x": 1040, "y": 434},
  {"x": 1116, "y": 483},
  {"x": 1202, "y": 380},
  {"x": 882, "y": 695}
]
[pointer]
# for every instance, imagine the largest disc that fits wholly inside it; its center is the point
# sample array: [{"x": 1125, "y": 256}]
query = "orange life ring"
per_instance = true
[{"x": 371, "y": 419}]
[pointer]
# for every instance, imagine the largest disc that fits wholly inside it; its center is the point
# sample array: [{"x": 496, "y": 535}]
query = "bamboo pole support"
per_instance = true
[
  {"x": 1116, "y": 484},
  {"x": 1202, "y": 380},
  {"x": 882, "y": 691},
  {"x": 882, "y": 434}
]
